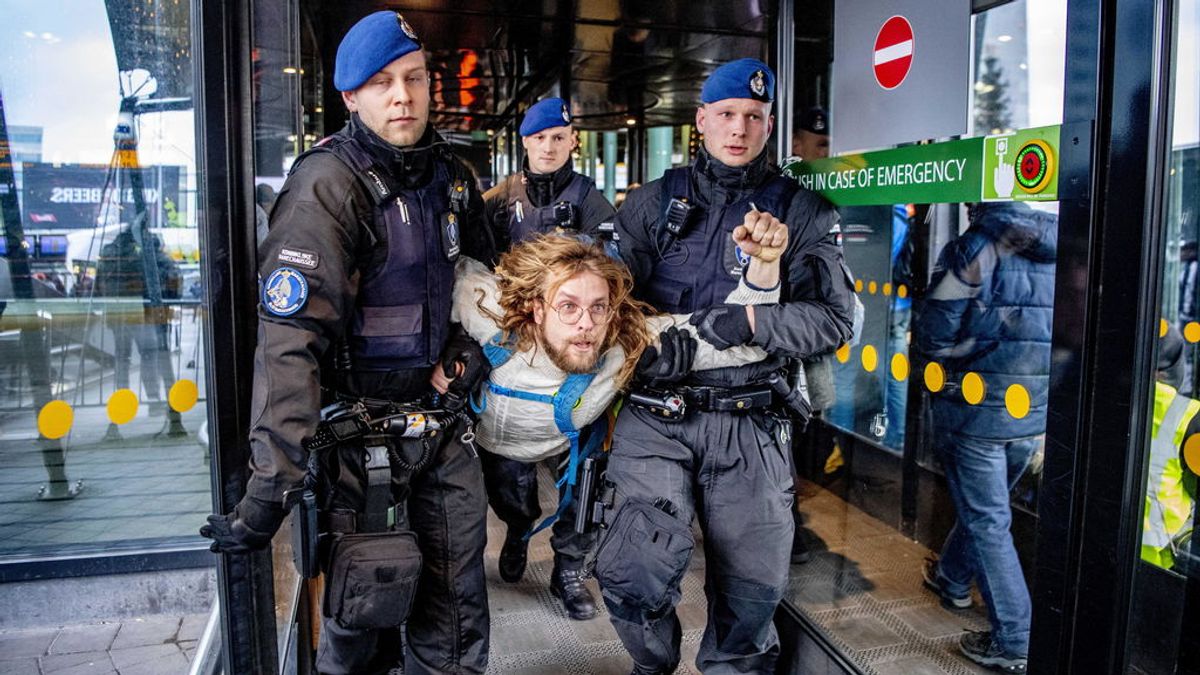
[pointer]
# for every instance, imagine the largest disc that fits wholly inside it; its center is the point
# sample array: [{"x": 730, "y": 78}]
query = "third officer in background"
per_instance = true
[
  {"x": 727, "y": 460},
  {"x": 546, "y": 196}
]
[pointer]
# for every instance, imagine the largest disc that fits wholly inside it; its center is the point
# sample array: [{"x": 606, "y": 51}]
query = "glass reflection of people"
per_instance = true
[
  {"x": 988, "y": 313},
  {"x": 899, "y": 319},
  {"x": 1189, "y": 303},
  {"x": 121, "y": 273},
  {"x": 264, "y": 199},
  {"x": 1170, "y": 484},
  {"x": 811, "y": 138}
]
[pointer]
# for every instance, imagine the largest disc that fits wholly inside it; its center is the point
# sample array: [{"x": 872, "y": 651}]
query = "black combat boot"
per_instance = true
[
  {"x": 513, "y": 556},
  {"x": 566, "y": 584}
]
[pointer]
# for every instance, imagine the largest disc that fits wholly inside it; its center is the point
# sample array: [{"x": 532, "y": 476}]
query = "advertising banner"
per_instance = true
[{"x": 74, "y": 196}]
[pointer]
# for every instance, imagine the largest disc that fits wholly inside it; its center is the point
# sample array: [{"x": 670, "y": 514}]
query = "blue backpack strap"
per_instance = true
[
  {"x": 499, "y": 350},
  {"x": 565, "y": 401}
]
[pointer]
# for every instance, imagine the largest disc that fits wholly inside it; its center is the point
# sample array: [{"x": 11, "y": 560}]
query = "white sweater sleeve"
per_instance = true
[
  {"x": 472, "y": 280},
  {"x": 707, "y": 356}
]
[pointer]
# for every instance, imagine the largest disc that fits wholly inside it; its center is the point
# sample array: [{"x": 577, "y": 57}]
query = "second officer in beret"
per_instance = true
[
  {"x": 725, "y": 461},
  {"x": 546, "y": 196},
  {"x": 357, "y": 274}
]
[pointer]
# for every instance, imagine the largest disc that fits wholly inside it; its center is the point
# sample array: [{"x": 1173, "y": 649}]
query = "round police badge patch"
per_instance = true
[
  {"x": 284, "y": 292},
  {"x": 566, "y": 114},
  {"x": 758, "y": 83},
  {"x": 408, "y": 30}
]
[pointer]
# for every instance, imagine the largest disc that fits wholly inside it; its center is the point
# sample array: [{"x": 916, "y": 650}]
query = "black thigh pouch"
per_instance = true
[
  {"x": 372, "y": 579},
  {"x": 643, "y": 556}
]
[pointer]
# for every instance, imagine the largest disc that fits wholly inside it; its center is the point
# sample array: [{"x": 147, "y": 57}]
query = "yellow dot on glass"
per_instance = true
[
  {"x": 872, "y": 287},
  {"x": 1191, "y": 332},
  {"x": 1016, "y": 400},
  {"x": 54, "y": 419},
  {"x": 870, "y": 359},
  {"x": 899, "y": 367},
  {"x": 1162, "y": 328},
  {"x": 887, "y": 288},
  {"x": 858, "y": 286},
  {"x": 902, "y": 291},
  {"x": 122, "y": 406},
  {"x": 183, "y": 395},
  {"x": 973, "y": 388},
  {"x": 843, "y": 353},
  {"x": 1191, "y": 453},
  {"x": 935, "y": 377}
]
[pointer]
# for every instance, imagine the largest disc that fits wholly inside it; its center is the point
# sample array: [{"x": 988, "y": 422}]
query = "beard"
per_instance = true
[{"x": 572, "y": 362}]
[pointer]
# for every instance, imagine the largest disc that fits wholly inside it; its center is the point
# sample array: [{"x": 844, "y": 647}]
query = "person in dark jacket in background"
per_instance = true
[
  {"x": 357, "y": 274},
  {"x": 726, "y": 463},
  {"x": 546, "y": 196},
  {"x": 122, "y": 273},
  {"x": 987, "y": 321}
]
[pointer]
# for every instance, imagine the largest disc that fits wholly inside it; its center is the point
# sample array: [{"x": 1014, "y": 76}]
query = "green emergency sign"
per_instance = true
[{"x": 1017, "y": 166}]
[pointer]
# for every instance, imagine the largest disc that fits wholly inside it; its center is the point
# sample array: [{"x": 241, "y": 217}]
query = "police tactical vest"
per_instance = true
[
  {"x": 402, "y": 313},
  {"x": 703, "y": 266},
  {"x": 526, "y": 220}
]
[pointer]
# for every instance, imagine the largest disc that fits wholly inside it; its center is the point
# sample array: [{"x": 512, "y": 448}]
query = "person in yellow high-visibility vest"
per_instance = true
[{"x": 1170, "y": 485}]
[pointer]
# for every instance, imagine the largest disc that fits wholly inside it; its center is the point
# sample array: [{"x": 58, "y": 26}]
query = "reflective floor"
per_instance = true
[{"x": 863, "y": 589}]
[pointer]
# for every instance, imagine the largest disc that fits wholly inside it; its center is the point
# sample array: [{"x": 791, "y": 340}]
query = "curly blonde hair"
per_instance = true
[{"x": 534, "y": 270}]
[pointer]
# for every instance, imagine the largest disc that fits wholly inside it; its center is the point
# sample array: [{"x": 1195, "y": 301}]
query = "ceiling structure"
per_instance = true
[{"x": 615, "y": 60}]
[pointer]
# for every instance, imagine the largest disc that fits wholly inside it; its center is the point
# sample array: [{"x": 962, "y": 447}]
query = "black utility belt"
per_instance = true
[
  {"x": 675, "y": 403},
  {"x": 349, "y": 420}
]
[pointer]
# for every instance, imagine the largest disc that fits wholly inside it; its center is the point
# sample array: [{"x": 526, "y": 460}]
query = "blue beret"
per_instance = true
[
  {"x": 369, "y": 45},
  {"x": 744, "y": 78},
  {"x": 545, "y": 114}
]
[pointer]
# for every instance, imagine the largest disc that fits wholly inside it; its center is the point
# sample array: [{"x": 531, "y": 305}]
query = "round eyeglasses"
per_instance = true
[{"x": 570, "y": 313}]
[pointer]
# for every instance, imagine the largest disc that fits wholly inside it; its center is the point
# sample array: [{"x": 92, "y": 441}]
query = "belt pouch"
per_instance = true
[{"x": 372, "y": 579}]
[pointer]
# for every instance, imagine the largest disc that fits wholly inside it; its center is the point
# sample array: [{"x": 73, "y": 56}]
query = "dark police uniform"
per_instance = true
[
  {"x": 355, "y": 231},
  {"x": 730, "y": 469},
  {"x": 356, "y": 278},
  {"x": 520, "y": 207}
]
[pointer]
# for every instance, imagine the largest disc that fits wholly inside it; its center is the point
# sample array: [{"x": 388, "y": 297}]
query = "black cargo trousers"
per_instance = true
[
  {"x": 448, "y": 628},
  {"x": 732, "y": 470},
  {"x": 512, "y": 488}
]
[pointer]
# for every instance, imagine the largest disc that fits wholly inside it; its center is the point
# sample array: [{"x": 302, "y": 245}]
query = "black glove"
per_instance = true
[
  {"x": 249, "y": 527},
  {"x": 671, "y": 361},
  {"x": 461, "y": 348},
  {"x": 723, "y": 326}
]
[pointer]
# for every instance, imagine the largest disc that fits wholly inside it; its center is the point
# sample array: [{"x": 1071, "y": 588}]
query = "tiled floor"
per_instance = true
[
  {"x": 863, "y": 589},
  {"x": 159, "y": 645}
]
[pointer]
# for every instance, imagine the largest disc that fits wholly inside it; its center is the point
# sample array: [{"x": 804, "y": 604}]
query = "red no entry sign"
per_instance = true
[{"x": 893, "y": 52}]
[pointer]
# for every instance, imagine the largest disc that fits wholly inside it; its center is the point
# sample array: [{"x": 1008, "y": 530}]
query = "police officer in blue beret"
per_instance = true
[
  {"x": 356, "y": 276},
  {"x": 546, "y": 196},
  {"x": 686, "y": 238},
  {"x": 811, "y": 139}
]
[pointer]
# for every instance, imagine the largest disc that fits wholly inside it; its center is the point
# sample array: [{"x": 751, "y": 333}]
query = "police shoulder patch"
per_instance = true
[{"x": 284, "y": 292}]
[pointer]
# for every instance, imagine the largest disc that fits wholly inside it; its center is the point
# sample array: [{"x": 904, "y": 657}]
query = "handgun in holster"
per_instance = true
[
  {"x": 305, "y": 531},
  {"x": 590, "y": 510}
]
